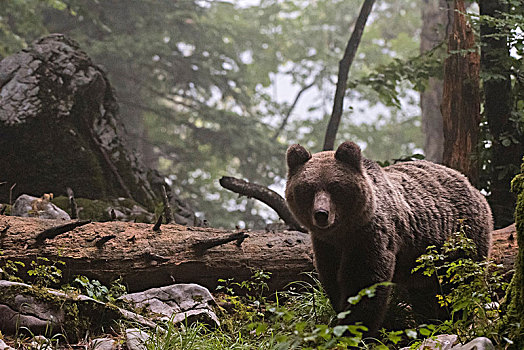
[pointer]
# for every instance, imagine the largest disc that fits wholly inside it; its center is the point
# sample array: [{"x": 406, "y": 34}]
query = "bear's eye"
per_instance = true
[{"x": 304, "y": 192}]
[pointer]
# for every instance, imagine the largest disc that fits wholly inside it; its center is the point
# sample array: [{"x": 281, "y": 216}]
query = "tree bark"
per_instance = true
[
  {"x": 507, "y": 145},
  {"x": 437, "y": 19},
  {"x": 515, "y": 293},
  {"x": 145, "y": 258},
  {"x": 343, "y": 71},
  {"x": 461, "y": 99}
]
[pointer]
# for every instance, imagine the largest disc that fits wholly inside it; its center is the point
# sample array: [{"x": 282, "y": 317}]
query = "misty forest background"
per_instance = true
[{"x": 214, "y": 88}]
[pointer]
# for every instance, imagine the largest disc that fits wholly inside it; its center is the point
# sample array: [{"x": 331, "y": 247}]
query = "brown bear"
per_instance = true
[{"x": 368, "y": 224}]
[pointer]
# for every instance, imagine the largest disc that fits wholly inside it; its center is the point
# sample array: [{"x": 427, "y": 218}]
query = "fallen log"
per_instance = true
[{"x": 146, "y": 258}]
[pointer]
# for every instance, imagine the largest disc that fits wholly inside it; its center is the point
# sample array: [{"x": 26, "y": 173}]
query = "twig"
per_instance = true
[
  {"x": 103, "y": 240},
  {"x": 215, "y": 242},
  {"x": 167, "y": 208},
  {"x": 2, "y": 211},
  {"x": 58, "y": 230},
  {"x": 72, "y": 203},
  {"x": 11, "y": 194},
  {"x": 343, "y": 71},
  {"x": 291, "y": 108},
  {"x": 265, "y": 195},
  {"x": 112, "y": 214},
  {"x": 158, "y": 223}
]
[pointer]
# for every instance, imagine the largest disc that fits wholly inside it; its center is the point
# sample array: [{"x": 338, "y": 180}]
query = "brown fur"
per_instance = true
[{"x": 369, "y": 224}]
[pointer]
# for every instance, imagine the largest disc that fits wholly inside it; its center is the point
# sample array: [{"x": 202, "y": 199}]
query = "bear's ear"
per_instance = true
[
  {"x": 296, "y": 156},
  {"x": 349, "y": 153}
]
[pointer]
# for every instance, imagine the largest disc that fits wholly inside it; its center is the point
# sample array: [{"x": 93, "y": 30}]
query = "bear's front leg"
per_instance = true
[
  {"x": 327, "y": 261},
  {"x": 359, "y": 269}
]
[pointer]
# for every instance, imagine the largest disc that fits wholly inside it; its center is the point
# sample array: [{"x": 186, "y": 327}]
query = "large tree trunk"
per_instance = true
[
  {"x": 146, "y": 258},
  {"x": 461, "y": 99},
  {"x": 437, "y": 18},
  {"x": 507, "y": 146},
  {"x": 515, "y": 294}
]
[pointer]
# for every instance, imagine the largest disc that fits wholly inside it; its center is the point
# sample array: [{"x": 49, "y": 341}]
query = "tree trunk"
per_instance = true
[
  {"x": 437, "y": 18},
  {"x": 145, "y": 258},
  {"x": 461, "y": 99},
  {"x": 343, "y": 71},
  {"x": 507, "y": 146},
  {"x": 515, "y": 294}
]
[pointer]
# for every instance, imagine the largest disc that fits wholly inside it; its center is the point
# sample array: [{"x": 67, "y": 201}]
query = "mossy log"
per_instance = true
[{"x": 145, "y": 258}]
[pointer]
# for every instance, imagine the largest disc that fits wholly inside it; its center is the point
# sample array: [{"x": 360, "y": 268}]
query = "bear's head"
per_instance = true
[{"x": 329, "y": 192}]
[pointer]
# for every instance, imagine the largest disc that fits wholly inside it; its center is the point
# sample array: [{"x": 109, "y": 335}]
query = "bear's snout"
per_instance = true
[{"x": 323, "y": 213}]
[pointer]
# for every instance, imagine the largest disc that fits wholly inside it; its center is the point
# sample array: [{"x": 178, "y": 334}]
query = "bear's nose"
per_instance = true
[{"x": 321, "y": 218}]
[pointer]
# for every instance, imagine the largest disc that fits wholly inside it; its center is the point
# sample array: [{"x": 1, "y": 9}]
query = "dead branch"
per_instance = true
[
  {"x": 58, "y": 230},
  {"x": 215, "y": 242},
  {"x": 167, "y": 208},
  {"x": 265, "y": 195},
  {"x": 156, "y": 227},
  {"x": 292, "y": 108},
  {"x": 72, "y": 203}
]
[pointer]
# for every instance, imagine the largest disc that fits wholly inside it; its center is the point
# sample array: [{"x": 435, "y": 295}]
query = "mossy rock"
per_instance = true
[
  {"x": 7, "y": 210},
  {"x": 99, "y": 210},
  {"x": 44, "y": 311}
]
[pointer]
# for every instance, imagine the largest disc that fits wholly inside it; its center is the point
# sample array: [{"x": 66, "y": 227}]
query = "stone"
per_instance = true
[
  {"x": 40, "y": 342},
  {"x": 135, "y": 339},
  {"x": 177, "y": 303},
  {"x": 103, "y": 344},
  {"x": 448, "y": 342},
  {"x": 480, "y": 343},
  {"x": 4, "y": 346},
  {"x": 43, "y": 309},
  {"x": 25, "y": 203},
  {"x": 25, "y": 311}
]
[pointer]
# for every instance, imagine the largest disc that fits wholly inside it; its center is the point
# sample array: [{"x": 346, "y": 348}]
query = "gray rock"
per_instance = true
[
  {"x": 22, "y": 306},
  {"x": 448, "y": 342},
  {"x": 135, "y": 339},
  {"x": 23, "y": 206},
  {"x": 4, "y": 346},
  {"x": 103, "y": 344},
  {"x": 25, "y": 311},
  {"x": 178, "y": 303},
  {"x": 40, "y": 342},
  {"x": 480, "y": 343}
]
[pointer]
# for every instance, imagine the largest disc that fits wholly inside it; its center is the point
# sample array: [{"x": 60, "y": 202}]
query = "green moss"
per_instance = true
[
  {"x": 515, "y": 295},
  {"x": 7, "y": 209},
  {"x": 88, "y": 209},
  {"x": 81, "y": 317},
  {"x": 98, "y": 210}
]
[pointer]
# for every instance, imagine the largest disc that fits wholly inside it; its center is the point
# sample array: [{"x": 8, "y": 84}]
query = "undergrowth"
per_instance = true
[{"x": 301, "y": 317}]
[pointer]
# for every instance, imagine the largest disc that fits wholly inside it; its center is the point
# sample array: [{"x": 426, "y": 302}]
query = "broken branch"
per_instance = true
[
  {"x": 58, "y": 230},
  {"x": 265, "y": 195},
  {"x": 215, "y": 242}
]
